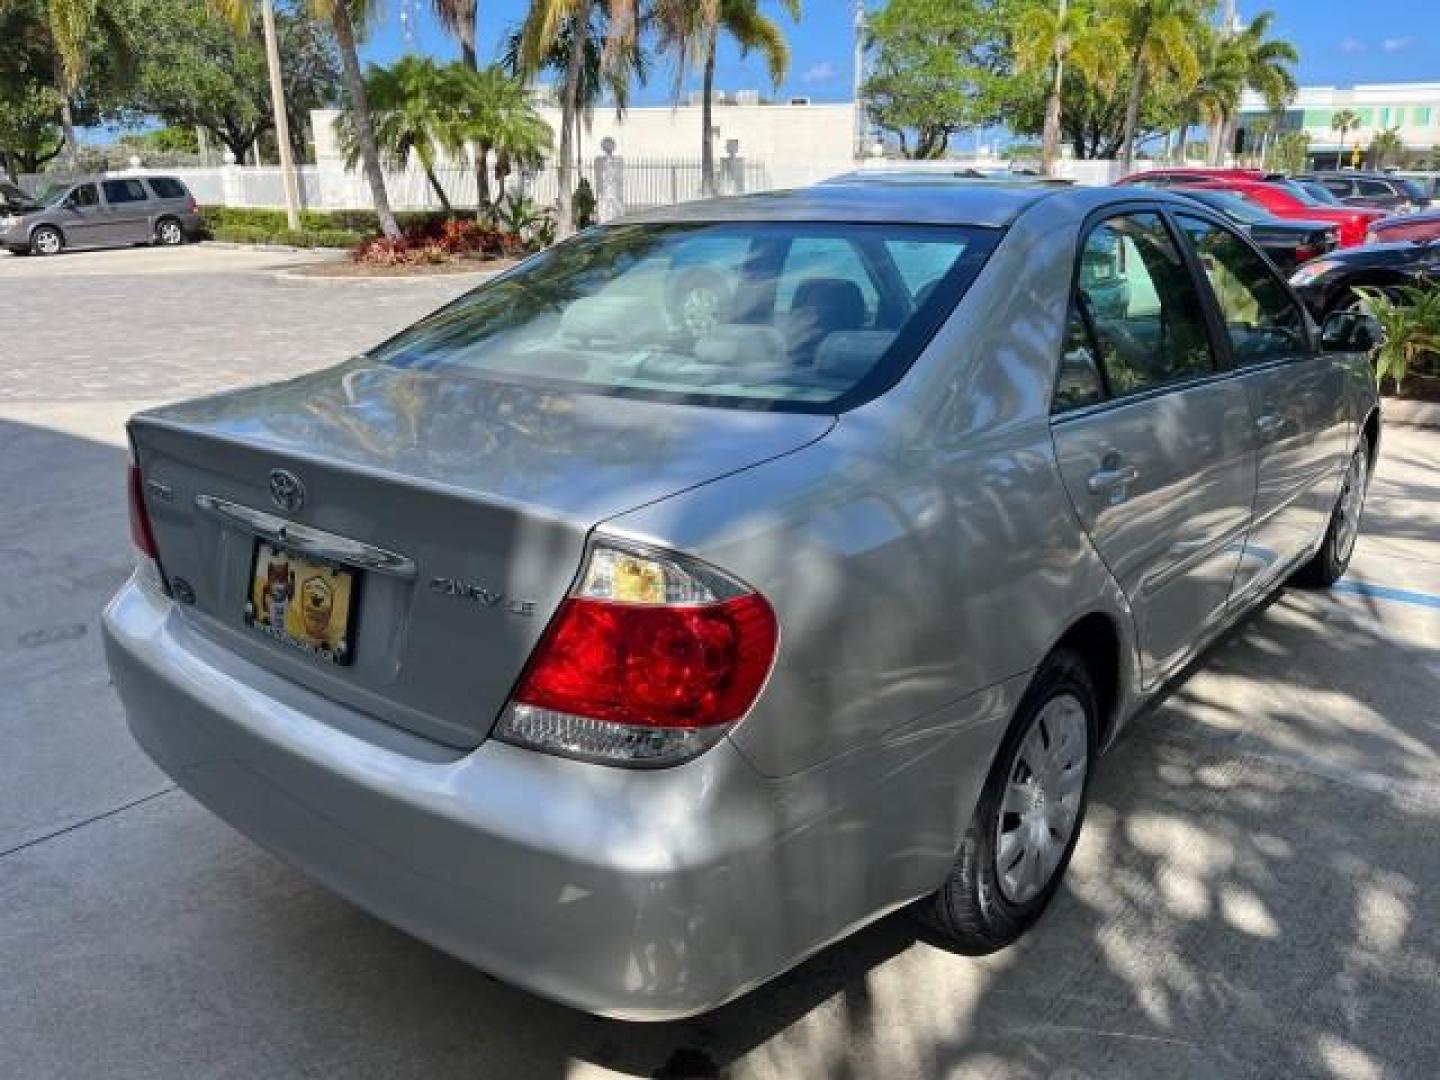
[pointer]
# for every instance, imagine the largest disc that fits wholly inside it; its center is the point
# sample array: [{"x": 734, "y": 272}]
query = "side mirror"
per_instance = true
[{"x": 1350, "y": 331}]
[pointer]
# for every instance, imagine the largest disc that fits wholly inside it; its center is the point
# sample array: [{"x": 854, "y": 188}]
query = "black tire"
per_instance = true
[
  {"x": 973, "y": 911},
  {"x": 47, "y": 240},
  {"x": 169, "y": 232},
  {"x": 1331, "y": 561}
]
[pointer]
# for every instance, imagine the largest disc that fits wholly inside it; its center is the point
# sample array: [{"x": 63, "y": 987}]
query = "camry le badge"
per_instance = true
[
  {"x": 286, "y": 490},
  {"x": 463, "y": 590}
]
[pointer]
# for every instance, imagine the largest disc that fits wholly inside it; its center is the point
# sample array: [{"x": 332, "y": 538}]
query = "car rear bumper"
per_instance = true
[{"x": 643, "y": 895}]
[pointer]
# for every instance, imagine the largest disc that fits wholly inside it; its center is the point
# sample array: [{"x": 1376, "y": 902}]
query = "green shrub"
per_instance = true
[
  {"x": 307, "y": 238},
  {"x": 240, "y": 234}
]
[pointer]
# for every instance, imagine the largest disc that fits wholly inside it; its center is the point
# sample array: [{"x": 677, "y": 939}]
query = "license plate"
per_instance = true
[{"x": 302, "y": 603}]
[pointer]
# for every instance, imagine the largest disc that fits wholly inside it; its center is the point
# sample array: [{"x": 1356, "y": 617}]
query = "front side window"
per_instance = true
[
  {"x": 1263, "y": 321},
  {"x": 85, "y": 195},
  {"x": 794, "y": 316},
  {"x": 1139, "y": 296},
  {"x": 124, "y": 191}
]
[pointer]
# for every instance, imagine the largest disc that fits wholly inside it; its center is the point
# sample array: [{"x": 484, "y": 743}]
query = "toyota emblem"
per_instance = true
[{"x": 286, "y": 490}]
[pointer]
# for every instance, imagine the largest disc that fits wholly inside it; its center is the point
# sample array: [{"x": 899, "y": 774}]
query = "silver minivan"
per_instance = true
[
  {"x": 725, "y": 577},
  {"x": 104, "y": 212}
]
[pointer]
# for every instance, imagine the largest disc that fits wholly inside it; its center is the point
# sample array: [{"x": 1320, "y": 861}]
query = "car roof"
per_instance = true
[{"x": 936, "y": 201}]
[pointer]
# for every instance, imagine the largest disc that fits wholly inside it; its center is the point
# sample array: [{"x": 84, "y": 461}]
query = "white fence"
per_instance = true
[{"x": 637, "y": 183}]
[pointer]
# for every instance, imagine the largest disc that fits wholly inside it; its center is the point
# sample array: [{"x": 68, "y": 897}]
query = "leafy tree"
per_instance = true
[
  {"x": 1343, "y": 122},
  {"x": 940, "y": 66},
  {"x": 78, "y": 29},
  {"x": 1263, "y": 64},
  {"x": 195, "y": 72},
  {"x": 503, "y": 121},
  {"x": 1048, "y": 37},
  {"x": 690, "y": 29},
  {"x": 1160, "y": 38},
  {"x": 1290, "y": 152}
]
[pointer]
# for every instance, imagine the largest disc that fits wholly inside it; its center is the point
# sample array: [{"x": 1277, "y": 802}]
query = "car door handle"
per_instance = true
[{"x": 1103, "y": 480}]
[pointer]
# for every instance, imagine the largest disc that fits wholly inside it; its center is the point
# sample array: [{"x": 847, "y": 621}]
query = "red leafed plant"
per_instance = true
[{"x": 436, "y": 241}]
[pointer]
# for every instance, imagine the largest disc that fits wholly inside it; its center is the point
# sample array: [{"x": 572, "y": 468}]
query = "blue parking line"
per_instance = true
[{"x": 1384, "y": 592}]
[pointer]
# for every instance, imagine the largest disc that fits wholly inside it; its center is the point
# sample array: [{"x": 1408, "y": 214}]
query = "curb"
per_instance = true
[
  {"x": 284, "y": 249},
  {"x": 289, "y": 276},
  {"x": 1415, "y": 413}
]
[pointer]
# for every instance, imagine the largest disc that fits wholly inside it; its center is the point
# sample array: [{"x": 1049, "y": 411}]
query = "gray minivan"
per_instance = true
[{"x": 104, "y": 212}]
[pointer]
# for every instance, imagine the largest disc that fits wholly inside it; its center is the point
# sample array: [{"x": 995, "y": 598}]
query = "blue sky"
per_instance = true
[{"x": 1341, "y": 43}]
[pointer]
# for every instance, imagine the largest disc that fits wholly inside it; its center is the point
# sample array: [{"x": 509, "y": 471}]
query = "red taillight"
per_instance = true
[
  {"x": 140, "y": 532},
  {"x": 653, "y": 666},
  {"x": 647, "y": 663}
]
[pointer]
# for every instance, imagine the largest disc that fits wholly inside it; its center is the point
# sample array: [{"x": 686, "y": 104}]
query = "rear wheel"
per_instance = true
[
  {"x": 168, "y": 233},
  {"x": 1330, "y": 562},
  {"x": 1025, "y": 826},
  {"x": 47, "y": 240}
]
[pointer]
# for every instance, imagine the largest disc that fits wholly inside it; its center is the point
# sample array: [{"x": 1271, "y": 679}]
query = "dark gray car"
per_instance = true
[
  {"x": 103, "y": 212},
  {"x": 634, "y": 648},
  {"x": 1379, "y": 190}
]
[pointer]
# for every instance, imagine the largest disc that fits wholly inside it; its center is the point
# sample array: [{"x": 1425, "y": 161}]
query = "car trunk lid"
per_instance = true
[{"x": 482, "y": 492}]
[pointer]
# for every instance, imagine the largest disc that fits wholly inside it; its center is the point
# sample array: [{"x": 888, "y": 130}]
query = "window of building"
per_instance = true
[
  {"x": 1319, "y": 118},
  {"x": 1420, "y": 116}
]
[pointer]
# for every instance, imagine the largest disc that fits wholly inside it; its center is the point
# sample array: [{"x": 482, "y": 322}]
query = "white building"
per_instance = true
[{"x": 1413, "y": 108}]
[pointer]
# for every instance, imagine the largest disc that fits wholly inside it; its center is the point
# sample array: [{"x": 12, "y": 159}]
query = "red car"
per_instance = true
[
  {"x": 1414, "y": 228},
  {"x": 1354, "y": 221},
  {"x": 1196, "y": 175}
]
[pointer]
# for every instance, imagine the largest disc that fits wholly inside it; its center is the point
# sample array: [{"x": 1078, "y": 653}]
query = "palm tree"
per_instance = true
[
  {"x": 1049, "y": 38},
  {"x": 72, "y": 23},
  {"x": 1385, "y": 146},
  {"x": 691, "y": 30},
  {"x": 1160, "y": 35},
  {"x": 1265, "y": 64},
  {"x": 1344, "y": 121},
  {"x": 344, "y": 17},
  {"x": 458, "y": 18},
  {"x": 1216, "y": 94},
  {"x": 503, "y": 120},
  {"x": 419, "y": 107},
  {"x": 547, "y": 24}
]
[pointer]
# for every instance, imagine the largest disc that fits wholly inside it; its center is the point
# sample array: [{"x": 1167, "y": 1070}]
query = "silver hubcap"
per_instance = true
[
  {"x": 169, "y": 232},
  {"x": 48, "y": 243},
  {"x": 1352, "y": 505},
  {"x": 1042, "y": 797}
]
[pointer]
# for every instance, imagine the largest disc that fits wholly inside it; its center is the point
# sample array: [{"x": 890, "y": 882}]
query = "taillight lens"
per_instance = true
[
  {"x": 141, "y": 533},
  {"x": 648, "y": 663}
]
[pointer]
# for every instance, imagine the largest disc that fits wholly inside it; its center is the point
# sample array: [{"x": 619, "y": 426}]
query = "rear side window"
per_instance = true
[
  {"x": 124, "y": 191},
  {"x": 1263, "y": 322},
  {"x": 166, "y": 187},
  {"x": 800, "y": 317},
  {"x": 1337, "y": 186},
  {"x": 1137, "y": 294}
]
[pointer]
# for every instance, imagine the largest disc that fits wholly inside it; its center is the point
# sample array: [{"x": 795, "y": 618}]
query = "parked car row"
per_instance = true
[{"x": 100, "y": 212}]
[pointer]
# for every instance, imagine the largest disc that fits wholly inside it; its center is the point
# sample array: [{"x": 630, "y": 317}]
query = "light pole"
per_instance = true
[
  {"x": 282, "y": 121},
  {"x": 861, "y": 128}
]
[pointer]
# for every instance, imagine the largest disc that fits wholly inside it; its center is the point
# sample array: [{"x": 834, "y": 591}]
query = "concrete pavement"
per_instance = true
[{"x": 1254, "y": 894}]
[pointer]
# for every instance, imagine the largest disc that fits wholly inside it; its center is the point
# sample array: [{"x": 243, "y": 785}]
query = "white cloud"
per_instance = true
[
  {"x": 819, "y": 73},
  {"x": 1352, "y": 46},
  {"x": 1397, "y": 44}
]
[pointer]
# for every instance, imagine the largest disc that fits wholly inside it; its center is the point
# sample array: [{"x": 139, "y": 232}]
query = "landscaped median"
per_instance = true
[{"x": 430, "y": 241}]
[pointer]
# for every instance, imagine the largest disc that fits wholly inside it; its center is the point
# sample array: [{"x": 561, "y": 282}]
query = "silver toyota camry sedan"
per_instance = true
[{"x": 722, "y": 579}]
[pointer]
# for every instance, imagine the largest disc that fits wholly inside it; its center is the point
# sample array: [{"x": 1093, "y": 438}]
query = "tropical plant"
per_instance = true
[
  {"x": 1289, "y": 152},
  {"x": 419, "y": 107},
  {"x": 552, "y": 24},
  {"x": 504, "y": 121},
  {"x": 458, "y": 18},
  {"x": 691, "y": 29},
  {"x": 1160, "y": 36},
  {"x": 1385, "y": 147},
  {"x": 522, "y": 217},
  {"x": 1215, "y": 95},
  {"x": 1265, "y": 66},
  {"x": 347, "y": 19},
  {"x": 1047, "y": 39},
  {"x": 1409, "y": 318},
  {"x": 1343, "y": 122}
]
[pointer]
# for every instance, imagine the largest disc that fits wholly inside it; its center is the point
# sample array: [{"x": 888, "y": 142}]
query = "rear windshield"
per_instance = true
[{"x": 789, "y": 316}]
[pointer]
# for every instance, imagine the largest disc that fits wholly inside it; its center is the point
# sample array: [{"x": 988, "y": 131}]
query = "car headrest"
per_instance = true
[
  {"x": 850, "y": 354},
  {"x": 837, "y": 304}
]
